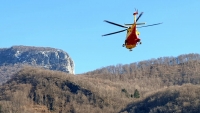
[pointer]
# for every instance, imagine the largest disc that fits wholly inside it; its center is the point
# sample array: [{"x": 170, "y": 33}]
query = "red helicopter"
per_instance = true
[{"x": 132, "y": 36}]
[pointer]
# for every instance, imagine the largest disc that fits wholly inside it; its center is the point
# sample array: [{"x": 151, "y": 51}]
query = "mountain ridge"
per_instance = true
[
  {"x": 167, "y": 60},
  {"x": 16, "y": 57}
]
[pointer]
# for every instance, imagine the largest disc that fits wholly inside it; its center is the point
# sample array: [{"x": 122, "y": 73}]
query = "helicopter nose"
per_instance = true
[{"x": 135, "y": 13}]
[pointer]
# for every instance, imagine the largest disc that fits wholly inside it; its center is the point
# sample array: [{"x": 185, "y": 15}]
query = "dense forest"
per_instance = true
[
  {"x": 167, "y": 84},
  {"x": 8, "y": 71},
  {"x": 171, "y": 70}
]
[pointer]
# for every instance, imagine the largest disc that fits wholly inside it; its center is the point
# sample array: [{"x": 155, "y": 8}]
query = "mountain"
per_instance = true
[
  {"x": 14, "y": 58},
  {"x": 35, "y": 90},
  {"x": 163, "y": 85},
  {"x": 52, "y": 91}
]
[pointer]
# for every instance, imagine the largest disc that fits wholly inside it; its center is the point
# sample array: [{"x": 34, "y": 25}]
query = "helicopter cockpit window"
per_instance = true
[{"x": 129, "y": 29}]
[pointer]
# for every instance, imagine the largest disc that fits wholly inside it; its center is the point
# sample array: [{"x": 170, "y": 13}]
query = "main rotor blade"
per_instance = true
[
  {"x": 114, "y": 32},
  {"x": 136, "y": 24},
  {"x": 149, "y": 25},
  {"x": 139, "y": 16},
  {"x": 115, "y": 24}
]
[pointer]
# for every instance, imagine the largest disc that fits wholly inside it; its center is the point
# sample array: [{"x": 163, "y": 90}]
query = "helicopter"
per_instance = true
[{"x": 132, "y": 36}]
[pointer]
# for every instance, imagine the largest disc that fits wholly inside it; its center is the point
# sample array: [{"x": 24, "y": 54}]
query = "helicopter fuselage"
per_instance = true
[{"x": 132, "y": 37}]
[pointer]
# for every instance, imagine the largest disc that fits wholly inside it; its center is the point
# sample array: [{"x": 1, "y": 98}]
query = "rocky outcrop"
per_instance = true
[{"x": 48, "y": 58}]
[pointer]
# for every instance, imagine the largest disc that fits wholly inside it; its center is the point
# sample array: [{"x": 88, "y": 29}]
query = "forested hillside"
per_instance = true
[
  {"x": 170, "y": 70},
  {"x": 168, "y": 84},
  {"x": 175, "y": 99},
  {"x": 52, "y": 91},
  {"x": 7, "y": 71}
]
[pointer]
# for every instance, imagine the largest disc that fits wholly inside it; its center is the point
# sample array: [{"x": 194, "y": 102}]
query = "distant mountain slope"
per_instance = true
[
  {"x": 141, "y": 65},
  {"x": 14, "y": 58},
  {"x": 171, "y": 70}
]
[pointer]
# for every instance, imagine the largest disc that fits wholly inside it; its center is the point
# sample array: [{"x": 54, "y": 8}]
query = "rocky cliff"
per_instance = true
[{"x": 48, "y": 58}]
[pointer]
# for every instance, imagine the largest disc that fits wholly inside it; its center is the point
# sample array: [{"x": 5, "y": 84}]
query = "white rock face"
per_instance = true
[{"x": 49, "y": 58}]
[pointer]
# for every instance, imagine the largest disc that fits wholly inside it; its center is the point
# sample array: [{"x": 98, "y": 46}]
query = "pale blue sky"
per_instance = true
[{"x": 76, "y": 26}]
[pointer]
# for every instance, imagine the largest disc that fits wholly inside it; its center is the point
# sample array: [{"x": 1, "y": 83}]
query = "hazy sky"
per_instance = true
[{"x": 76, "y": 26}]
